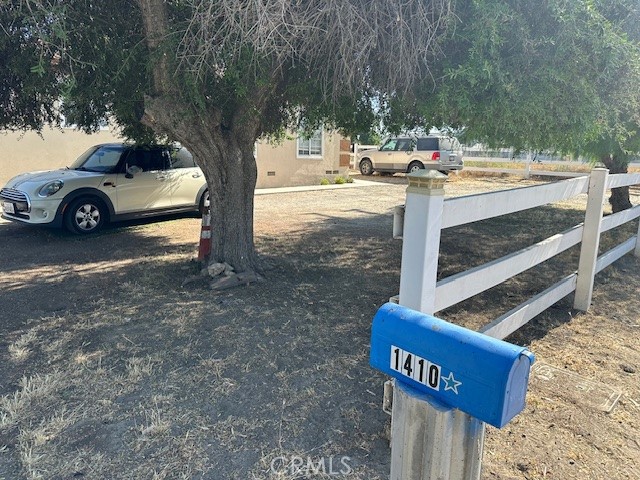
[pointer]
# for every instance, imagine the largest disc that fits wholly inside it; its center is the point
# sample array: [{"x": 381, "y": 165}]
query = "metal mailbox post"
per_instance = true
[{"x": 460, "y": 379}]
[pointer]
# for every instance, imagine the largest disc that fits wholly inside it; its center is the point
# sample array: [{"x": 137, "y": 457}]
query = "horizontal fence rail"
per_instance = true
[
  {"x": 461, "y": 286},
  {"x": 620, "y": 218},
  {"x": 511, "y": 321},
  {"x": 472, "y": 208},
  {"x": 623, "y": 180},
  {"x": 615, "y": 253}
]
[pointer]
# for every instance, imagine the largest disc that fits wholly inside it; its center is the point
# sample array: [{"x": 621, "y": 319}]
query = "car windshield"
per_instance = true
[
  {"x": 390, "y": 145},
  {"x": 102, "y": 158}
]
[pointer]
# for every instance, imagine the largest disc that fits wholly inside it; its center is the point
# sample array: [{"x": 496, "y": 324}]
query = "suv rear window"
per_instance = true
[{"x": 427, "y": 144}]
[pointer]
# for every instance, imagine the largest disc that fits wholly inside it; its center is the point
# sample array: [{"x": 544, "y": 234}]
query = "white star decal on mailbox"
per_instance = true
[{"x": 451, "y": 383}]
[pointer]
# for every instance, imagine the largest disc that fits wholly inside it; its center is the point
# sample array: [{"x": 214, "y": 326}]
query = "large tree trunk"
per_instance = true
[
  {"x": 223, "y": 148},
  {"x": 231, "y": 175},
  {"x": 619, "y": 199},
  {"x": 226, "y": 158}
]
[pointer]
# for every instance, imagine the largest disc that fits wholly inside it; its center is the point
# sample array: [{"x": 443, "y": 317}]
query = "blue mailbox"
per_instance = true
[{"x": 482, "y": 376}]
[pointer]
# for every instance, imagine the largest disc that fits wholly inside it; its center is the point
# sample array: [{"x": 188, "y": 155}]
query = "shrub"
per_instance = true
[
  {"x": 324, "y": 181},
  {"x": 339, "y": 180}
]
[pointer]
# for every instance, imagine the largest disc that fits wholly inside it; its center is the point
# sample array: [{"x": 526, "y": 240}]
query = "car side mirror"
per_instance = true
[{"x": 132, "y": 170}]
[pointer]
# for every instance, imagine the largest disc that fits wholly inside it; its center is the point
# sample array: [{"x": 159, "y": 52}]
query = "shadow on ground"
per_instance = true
[{"x": 110, "y": 369}]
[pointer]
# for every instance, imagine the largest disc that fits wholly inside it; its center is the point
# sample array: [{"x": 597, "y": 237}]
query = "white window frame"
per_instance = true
[{"x": 303, "y": 142}]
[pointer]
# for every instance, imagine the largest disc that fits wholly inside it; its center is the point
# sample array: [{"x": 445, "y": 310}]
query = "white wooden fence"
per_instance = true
[
  {"x": 353, "y": 156},
  {"x": 426, "y": 212}
]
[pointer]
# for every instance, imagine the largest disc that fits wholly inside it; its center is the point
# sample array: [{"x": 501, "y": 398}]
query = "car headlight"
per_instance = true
[{"x": 50, "y": 188}]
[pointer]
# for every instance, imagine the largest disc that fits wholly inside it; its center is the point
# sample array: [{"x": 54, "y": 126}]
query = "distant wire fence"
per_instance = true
[
  {"x": 530, "y": 161},
  {"x": 532, "y": 164},
  {"x": 508, "y": 155}
]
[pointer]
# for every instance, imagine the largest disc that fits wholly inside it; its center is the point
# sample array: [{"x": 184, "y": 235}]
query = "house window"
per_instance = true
[{"x": 312, "y": 146}]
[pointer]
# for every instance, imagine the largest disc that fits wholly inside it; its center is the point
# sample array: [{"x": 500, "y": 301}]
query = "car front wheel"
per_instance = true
[
  {"x": 366, "y": 167},
  {"x": 85, "y": 215}
]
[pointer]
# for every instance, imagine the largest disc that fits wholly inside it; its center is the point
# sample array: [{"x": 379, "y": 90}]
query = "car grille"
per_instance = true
[
  {"x": 20, "y": 200},
  {"x": 13, "y": 195}
]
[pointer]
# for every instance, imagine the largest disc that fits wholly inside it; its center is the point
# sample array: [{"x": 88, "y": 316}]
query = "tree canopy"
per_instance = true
[
  {"x": 218, "y": 74},
  {"x": 561, "y": 75}
]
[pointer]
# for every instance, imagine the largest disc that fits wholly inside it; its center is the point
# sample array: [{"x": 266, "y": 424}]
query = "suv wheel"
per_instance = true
[
  {"x": 85, "y": 215},
  {"x": 366, "y": 167},
  {"x": 415, "y": 166}
]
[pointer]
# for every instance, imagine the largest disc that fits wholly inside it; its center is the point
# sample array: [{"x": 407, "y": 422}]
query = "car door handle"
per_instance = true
[
  {"x": 196, "y": 175},
  {"x": 161, "y": 177}
]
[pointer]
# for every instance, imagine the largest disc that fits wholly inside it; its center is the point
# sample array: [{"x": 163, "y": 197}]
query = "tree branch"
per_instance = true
[
  {"x": 346, "y": 43},
  {"x": 156, "y": 25}
]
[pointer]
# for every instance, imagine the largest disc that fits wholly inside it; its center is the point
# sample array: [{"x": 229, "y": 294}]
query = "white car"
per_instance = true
[{"x": 107, "y": 183}]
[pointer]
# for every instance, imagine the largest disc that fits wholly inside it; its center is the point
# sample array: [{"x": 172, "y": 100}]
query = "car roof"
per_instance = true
[
  {"x": 397, "y": 137},
  {"x": 130, "y": 145}
]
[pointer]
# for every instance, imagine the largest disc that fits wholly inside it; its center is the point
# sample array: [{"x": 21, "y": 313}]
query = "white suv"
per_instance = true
[
  {"x": 107, "y": 183},
  {"x": 409, "y": 154}
]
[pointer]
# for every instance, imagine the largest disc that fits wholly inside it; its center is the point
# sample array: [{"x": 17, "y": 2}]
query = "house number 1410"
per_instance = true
[{"x": 415, "y": 367}]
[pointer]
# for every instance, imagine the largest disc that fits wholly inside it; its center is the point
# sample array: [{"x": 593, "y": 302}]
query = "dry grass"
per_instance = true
[
  {"x": 575, "y": 166},
  {"x": 120, "y": 373},
  {"x": 19, "y": 350}
]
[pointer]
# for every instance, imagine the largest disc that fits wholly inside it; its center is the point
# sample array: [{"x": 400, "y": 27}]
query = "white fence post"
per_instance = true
[
  {"x": 590, "y": 239},
  {"x": 421, "y": 240},
  {"x": 429, "y": 441}
]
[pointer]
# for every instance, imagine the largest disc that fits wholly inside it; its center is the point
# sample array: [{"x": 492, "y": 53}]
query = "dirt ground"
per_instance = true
[{"x": 110, "y": 369}]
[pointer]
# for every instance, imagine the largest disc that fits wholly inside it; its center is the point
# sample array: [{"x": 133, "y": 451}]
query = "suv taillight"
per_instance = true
[{"x": 435, "y": 156}]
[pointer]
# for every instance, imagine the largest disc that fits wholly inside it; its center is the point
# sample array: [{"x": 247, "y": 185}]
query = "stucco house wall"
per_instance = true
[
  {"x": 281, "y": 165},
  {"x": 278, "y": 165},
  {"x": 28, "y": 152}
]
